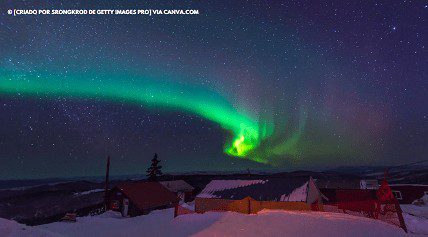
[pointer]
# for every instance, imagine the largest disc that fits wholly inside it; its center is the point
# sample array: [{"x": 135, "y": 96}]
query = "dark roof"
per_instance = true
[
  {"x": 177, "y": 186},
  {"x": 147, "y": 194},
  {"x": 334, "y": 183},
  {"x": 263, "y": 190}
]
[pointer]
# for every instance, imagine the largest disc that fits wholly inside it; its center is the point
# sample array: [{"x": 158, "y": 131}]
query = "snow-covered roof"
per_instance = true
[
  {"x": 273, "y": 189},
  {"x": 177, "y": 186},
  {"x": 298, "y": 195},
  {"x": 221, "y": 185}
]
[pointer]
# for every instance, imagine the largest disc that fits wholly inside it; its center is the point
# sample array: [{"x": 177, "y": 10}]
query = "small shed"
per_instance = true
[
  {"x": 251, "y": 196},
  {"x": 139, "y": 198},
  {"x": 181, "y": 188},
  {"x": 408, "y": 193}
]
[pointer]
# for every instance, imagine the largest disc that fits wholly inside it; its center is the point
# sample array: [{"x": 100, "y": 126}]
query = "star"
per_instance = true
[{"x": 299, "y": 80}]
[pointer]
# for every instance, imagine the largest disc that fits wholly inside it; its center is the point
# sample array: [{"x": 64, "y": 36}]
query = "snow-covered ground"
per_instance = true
[
  {"x": 13, "y": 229},
  {"x": 416, "y": 218},
  {"x": 162, "y": 223}
]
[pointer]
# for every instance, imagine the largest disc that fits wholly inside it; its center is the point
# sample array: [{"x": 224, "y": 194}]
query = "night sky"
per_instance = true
[{"x": 259, "y": 85}]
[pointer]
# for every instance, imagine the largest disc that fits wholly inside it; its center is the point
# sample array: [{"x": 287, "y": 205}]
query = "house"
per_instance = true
[
  {"x": 138, "y": 198},
  {"x": 408, "y": 193},
  {"x": 347, "y": 183},
  {"x": 251, "y": 196},
  {"x": 346, "y": 189},
  {"x": 183, "y": 190},
  {"x": 370, "y": 200}
]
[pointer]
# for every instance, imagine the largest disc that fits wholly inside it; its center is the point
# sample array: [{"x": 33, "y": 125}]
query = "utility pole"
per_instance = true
[{"x": 106, "y": 188}]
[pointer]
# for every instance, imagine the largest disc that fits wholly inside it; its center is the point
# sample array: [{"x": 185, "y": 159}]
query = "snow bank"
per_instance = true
[
  {"x": 416, "y": 225},
  {"x": 416, "y": 218},
  {"x": 291, "y": 223},
  {"x": 162, "y": 223},
  {"x": 420, "y": 211},
  {"x": 13, "y": 229},
  {"x": 266, "y": 223}
]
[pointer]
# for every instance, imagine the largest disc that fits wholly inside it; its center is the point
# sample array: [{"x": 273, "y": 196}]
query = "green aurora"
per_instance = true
[{"x": 248, "y": 133}]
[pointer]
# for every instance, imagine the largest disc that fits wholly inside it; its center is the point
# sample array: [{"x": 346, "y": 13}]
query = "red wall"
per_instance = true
[{"x": 410, "y": 193}]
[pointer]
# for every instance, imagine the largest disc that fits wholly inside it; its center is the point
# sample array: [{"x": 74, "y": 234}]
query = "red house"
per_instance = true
[
  {"x": 408, "y": 193},
  {"x": 139, "y": 198}
]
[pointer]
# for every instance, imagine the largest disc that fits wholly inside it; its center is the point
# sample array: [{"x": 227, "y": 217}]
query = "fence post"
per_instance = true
[
  {"x": 176, "y": 210},
  {"x": 249, "y": 205},
  {"x": 400, "y": 215}
]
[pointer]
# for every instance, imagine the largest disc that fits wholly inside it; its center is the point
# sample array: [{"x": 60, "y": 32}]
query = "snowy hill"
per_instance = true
[{"x": 161, "y": 223}]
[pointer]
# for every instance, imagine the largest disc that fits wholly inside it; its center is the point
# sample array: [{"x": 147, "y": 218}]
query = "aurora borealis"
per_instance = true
[
  {"x": 246, "y": 132},
  {"x": 243, "y": 85}
]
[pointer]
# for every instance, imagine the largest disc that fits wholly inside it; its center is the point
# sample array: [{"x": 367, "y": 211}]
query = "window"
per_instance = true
[
  {"x": 181, "y": 196},
  {"x": 397, "y": 195}
]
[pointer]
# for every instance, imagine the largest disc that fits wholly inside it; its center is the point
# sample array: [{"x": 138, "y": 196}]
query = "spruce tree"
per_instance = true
[{"x": 155, "y": 169}]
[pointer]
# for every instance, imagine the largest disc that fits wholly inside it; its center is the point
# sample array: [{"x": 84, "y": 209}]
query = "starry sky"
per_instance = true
[{"x": 259, "y": 85}]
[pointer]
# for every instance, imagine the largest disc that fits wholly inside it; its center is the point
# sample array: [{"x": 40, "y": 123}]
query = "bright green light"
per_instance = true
[
  {"x": 144, "y": 91},
  {"x": 246, "y": 140},
  {"x": 252, "y": 138}
]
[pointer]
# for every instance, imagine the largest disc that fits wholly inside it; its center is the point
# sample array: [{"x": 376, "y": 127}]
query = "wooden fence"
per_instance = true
[
  {"x": 388, "y": 212},
  {"x": 246, "y": 205}
]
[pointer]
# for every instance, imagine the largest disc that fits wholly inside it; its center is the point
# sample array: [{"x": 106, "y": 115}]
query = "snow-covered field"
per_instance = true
[
  {"x": 162, "y": 223},
  {"x": 14, "y": 229},
  {"x": 416, "y": 218}
]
